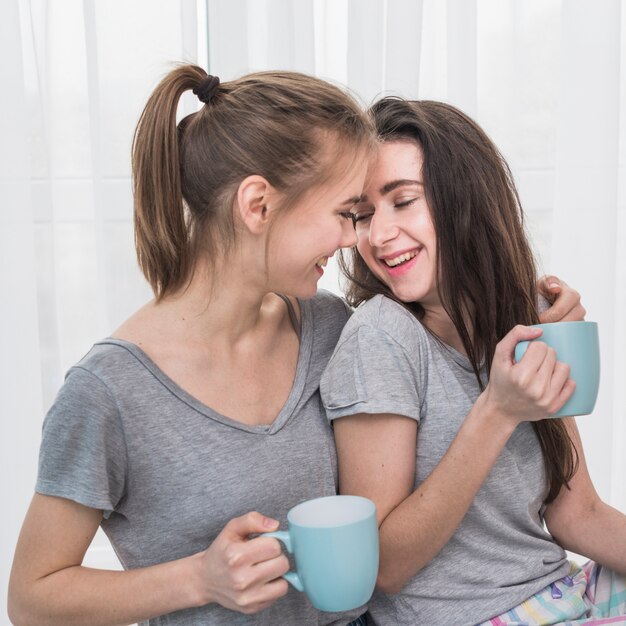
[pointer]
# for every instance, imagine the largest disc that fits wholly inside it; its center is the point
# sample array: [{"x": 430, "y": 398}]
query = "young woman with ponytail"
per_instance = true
[
  {"x": 438, "y": 425},
  {"x": 198, "y": 423}
]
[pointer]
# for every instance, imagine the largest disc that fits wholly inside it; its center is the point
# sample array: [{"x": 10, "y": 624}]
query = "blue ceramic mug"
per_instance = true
[
  {"x": 578, "y": 345},
  {"x": 334, "y": 541}
]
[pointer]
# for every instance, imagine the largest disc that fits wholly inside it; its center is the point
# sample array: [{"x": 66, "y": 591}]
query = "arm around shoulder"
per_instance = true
[{"x": 564, "y": 302}]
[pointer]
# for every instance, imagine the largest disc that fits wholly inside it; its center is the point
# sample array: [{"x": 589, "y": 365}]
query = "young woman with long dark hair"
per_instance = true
[{"x": 434, "y": 420}]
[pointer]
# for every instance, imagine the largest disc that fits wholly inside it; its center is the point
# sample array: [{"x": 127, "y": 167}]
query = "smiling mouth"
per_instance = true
[
  {"x": 399, "y": 260},
  {"x": 322, "y": 262}
]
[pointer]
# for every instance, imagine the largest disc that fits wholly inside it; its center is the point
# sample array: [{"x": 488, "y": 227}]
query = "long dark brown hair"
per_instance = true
[
  {"x": 287, "y": 127},
  {"x": 487, "y": 274}
]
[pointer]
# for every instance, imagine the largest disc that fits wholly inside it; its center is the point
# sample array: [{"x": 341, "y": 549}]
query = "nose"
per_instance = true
[{"x": 382, "y": 229}]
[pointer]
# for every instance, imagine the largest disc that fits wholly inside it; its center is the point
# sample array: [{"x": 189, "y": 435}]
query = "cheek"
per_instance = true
[
  {"x": 364, "y": 249},
  {"x": 363, "y": 240},
  {"x": 434, "y": 252}
]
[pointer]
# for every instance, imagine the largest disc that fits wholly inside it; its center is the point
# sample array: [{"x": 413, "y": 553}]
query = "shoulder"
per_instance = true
[
  {"x": 108, "y": 358},
  {"x": 83, "y": 448},
  {"x": 381, "y": 330},
  {"x": 377, "y": 365},
  {"x": 328, "y": 305},
  {"x": 110, "y": 368},
  {"x": 383, "y": 316},
  {"x": 327, "y": 313},
  {"x": 323, "y": 318}
]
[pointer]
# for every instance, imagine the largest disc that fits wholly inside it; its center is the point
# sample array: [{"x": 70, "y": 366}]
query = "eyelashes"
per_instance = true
[
  {"x": 348, "y": 215},
  {"x": 399, "y": 205},
  {"x": 364, "y": 216}
]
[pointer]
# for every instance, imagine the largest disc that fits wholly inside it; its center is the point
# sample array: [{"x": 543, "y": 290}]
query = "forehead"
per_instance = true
[
  {"x": 342, "y": 189},
  {"x": 395, "y": 160}
]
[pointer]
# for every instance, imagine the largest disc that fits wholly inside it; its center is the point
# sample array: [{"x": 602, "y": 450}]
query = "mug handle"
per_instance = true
[
  {"x": 291, "y": 577},
  {"x": 520, "y": 350}
]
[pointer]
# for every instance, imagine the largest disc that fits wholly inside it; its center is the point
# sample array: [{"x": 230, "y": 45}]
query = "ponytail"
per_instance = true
[{"x": 161, "y": 232}]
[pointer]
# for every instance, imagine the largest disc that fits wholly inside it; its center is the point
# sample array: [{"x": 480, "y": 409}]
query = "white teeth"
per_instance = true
[
  {"x": 400, "y": 259},
  {"x": 322, "y": 262}
]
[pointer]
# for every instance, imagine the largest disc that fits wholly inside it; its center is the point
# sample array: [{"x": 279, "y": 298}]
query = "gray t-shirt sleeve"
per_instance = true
[
  {"x": 83, "y": 450},
  {"x": 371, "y": 372}
]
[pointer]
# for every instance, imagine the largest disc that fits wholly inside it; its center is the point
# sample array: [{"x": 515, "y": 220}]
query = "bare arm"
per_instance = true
[
  {"x": 377, "y": 458},
  {"x": 581, "y": 522},
  {"x": 234, "y": 572}
]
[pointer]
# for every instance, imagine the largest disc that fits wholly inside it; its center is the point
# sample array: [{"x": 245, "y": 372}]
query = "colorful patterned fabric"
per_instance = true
[{"x": 591, "y": 595}]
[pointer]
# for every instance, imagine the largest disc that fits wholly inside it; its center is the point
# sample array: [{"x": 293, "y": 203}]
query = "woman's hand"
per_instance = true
[
  {"x": 565, "y": 305},
  {"x": 244, "y": 574},
  {"x": 534, "y": 388}
]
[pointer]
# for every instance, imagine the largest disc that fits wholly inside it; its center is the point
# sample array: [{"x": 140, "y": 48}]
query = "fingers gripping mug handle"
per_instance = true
[{"x": 291, "y": 577}]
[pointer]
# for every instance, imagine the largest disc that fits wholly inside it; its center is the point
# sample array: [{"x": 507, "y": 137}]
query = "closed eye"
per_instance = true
[
  {"x": 348, "y": 215},
  {"x": 404, "y": 203}
]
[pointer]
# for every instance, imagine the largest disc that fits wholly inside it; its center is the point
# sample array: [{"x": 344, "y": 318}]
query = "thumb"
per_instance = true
[{"x": 251, "y": 523}]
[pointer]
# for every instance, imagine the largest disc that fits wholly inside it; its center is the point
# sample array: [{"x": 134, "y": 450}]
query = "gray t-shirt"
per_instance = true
[
  {"x": 501, "y": 554},
  {"x": 170, "y": 472}
]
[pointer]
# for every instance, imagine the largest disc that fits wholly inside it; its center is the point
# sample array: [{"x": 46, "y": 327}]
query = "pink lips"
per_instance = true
[{"x": 398, "y": 270}]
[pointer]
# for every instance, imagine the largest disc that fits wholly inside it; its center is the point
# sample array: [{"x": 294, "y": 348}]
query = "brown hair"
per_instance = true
[
  {"x": 278, "y": 125},
  {"x": 486, "y": 269}
]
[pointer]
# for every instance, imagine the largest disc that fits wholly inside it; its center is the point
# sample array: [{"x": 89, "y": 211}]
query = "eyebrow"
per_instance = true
[{"x": 392, "y": 185}]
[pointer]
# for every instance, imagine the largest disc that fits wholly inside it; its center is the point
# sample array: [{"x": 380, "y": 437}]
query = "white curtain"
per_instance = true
[{"x": 543, "y": 77}]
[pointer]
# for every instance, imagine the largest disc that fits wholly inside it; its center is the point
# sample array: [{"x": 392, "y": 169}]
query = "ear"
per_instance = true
[{"x": 255, "y": 200}]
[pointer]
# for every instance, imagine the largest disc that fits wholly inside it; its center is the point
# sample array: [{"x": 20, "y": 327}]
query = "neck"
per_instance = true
[
  {"x": 438, "y": 322},
  {"x": 217, "y": 304}
]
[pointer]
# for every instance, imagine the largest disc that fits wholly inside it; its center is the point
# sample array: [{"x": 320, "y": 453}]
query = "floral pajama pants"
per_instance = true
[{"x": 590, "y": 595}]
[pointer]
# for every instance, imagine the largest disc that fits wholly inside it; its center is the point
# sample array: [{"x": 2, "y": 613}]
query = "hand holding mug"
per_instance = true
[
  {"x": 532, "y": 389},
  {"x": 577, "y": 344},
  {"x": 243, "y": 574}
]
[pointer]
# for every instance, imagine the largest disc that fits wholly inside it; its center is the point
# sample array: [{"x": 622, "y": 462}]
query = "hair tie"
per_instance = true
[{"x": 207, "y": 89}]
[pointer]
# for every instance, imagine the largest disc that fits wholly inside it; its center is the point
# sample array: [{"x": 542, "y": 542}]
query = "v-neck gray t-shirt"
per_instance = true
[
  {"x": 387, "y": 362},
  {"x": 169, "y": 472}
]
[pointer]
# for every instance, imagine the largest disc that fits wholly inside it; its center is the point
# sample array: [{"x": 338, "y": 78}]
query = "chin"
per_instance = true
[
  {"x": 304, "y": 292},
  {"x": 408, "y": 295}
]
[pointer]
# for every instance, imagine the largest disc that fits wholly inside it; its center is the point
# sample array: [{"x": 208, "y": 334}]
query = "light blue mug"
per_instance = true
[
  {"x": 334, "y": 541},
  {"x": 578, "y": 345}
]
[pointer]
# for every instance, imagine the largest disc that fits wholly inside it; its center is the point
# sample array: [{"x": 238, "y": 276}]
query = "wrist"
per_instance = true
[
  {"x": 490, "y": 419},
  {"x": 194, "y": 579}
]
